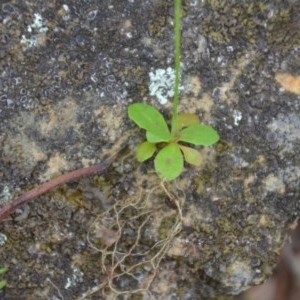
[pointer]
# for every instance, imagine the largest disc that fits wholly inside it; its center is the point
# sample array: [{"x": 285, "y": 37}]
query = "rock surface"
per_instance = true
[{"x": 68, "y": 72}]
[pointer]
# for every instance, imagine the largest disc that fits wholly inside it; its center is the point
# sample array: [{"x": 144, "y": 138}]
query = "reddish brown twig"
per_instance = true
[{"x": 8, "y": 209}]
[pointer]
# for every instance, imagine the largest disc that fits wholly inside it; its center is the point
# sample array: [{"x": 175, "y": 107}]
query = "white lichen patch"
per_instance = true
[
  {"x": 162, "y": 84},
  {"x": 237, "y": 117},
  {"x": 3, "y": 239},
  {"x": 38, "y": 23},
  {"x": 5, "y": 195},
  {"x": 37, "y": 38},
  {"x": 76, "y": 278},
  {"x": 29, "y": 43}
]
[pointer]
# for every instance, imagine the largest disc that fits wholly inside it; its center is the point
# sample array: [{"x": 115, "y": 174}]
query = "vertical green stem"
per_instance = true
[{"x": 177, "y": 15}]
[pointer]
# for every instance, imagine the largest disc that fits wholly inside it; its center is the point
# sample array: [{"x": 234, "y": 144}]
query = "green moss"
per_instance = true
[
  {"x": 137, "y": 296},
  {"x": 282, "y": 34},
  {"x": 158, "y": 19},
  {"x": 141, "y": 80},
  {"x": 222, "y": 147},
  {"x": 228, "y": 20}
]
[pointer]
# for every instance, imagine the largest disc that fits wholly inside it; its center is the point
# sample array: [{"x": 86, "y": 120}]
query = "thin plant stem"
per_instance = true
[{"x": 177, "y": 15}]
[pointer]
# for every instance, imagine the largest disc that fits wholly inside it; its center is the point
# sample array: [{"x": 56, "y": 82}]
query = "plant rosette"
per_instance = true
[{"x": 172, "y": 153}]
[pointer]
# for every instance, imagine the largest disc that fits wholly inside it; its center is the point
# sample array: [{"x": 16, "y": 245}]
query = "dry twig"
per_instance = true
[{"x": 8, "y": 209}]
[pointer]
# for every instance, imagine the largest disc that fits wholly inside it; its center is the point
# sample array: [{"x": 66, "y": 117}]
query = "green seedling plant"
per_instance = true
[
  {"x": 172, "y": 144},
  {"x": 2, "y": 282}
]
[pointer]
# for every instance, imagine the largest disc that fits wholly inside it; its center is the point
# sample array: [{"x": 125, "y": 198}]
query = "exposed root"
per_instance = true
[
  {"x": 120, "y": 260},
  {"x": 56, "y": 288}
]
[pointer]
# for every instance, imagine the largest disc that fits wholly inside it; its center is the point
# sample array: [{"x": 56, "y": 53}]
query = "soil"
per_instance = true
[{"x": 68, "y": 72}]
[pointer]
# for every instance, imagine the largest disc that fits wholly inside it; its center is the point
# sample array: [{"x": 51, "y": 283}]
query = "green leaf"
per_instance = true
[
  {"x": 3, "y": 284},
  {"x": 191, "y": 155},
  {"x": 169, "y": 162},
  {"x": 154, "y": 138},
  {"x": 149, "y": 118},
  {"x": 144, "y": 151},
  {"x": 185, "y": 120},
  {"x": 3, "y": 270},
  {"x": 203, "y": 135}
]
